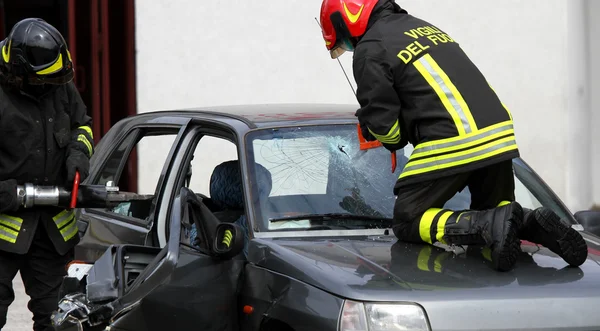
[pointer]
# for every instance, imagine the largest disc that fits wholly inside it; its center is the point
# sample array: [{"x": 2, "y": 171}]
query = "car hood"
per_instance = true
[{"x": 383, "y": 269}]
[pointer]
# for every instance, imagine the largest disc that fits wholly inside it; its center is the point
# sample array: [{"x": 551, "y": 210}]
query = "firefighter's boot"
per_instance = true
[
  {"x": 494, "y": 228},
  {"x": 543, "y": 226}
]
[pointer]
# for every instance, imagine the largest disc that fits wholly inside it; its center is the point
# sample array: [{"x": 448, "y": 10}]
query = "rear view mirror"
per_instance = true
[
  {"x": 590, "y": 220},
  {"x": 229, "y": 240}
]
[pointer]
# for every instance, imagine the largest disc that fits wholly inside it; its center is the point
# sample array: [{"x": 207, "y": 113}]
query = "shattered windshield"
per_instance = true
[
  {"x": 318, "y": 178},
  {"x": 320, "y": 170}
]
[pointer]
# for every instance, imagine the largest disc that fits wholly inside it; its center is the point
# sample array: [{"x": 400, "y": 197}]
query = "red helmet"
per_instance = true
[{"x": 343, "y": 21}]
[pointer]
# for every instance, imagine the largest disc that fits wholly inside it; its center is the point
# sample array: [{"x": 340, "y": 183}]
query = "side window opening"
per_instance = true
[
  {"x": 150, "y": 150},
  {"x": 214, "y": 174}
]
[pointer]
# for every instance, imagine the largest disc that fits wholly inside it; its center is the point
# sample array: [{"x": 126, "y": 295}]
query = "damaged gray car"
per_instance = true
[{"x": 271, "y": 217}]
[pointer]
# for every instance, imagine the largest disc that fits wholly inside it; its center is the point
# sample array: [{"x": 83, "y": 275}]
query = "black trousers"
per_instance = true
[
  {"x": 489, "y": 187},
  {"x": 42, "y": 271}
]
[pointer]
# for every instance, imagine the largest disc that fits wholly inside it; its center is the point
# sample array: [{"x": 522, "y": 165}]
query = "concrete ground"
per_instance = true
[{"x": 19, "y": 317}]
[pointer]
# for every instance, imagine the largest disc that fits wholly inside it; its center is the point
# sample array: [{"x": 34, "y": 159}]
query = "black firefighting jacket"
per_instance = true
[
  {"x": 415, "y": 84},
  {"x": 37, "y": 134}
]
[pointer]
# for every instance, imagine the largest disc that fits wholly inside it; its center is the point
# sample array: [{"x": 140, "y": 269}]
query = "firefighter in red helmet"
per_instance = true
[{"x": 416, "y": 85}]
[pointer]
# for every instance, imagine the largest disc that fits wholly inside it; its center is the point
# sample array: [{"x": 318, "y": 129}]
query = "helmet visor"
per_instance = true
[
  {"x": 342, "y": 46},
  {"x": 58, "y": 72}
]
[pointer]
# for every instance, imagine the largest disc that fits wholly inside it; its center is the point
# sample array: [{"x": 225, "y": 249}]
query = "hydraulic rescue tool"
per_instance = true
[{"x": 81, "y": 196}]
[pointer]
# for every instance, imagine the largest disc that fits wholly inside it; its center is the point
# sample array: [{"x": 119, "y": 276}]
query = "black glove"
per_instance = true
[
  {"x": 366, "y": 133},
  {"x": 8, "y": 196},
  {"x": 363, "y": 128},
  {"x": 394, "y": 147},
  {"x": 77, "y": 161}
]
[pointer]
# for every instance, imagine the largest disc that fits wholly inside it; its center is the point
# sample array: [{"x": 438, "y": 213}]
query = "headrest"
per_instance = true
[{"x": 226, "y": 189}]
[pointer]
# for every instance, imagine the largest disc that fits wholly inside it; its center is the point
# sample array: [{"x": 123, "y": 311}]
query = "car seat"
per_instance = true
[{"x": 226, "y": 193}]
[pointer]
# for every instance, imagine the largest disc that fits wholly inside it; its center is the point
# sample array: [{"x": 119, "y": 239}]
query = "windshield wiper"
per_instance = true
[{"x": 330, "y": 217}]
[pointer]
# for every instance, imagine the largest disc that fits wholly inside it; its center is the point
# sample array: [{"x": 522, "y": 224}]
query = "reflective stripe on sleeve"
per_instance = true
[
  {"x": 392, "y": 137},
  {"x": 88, "y": 130},
  {"x": 85, "y": 141}
]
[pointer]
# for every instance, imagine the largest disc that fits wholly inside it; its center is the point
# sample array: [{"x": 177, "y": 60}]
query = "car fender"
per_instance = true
[{"x": 271, "y": 300}]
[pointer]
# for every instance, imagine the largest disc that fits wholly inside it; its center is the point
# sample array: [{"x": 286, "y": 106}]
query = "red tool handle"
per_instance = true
[
  {"x": 393, "y": 161},
  {"x": 363, "y": 143},
  {"x": 75, "y": 190}
]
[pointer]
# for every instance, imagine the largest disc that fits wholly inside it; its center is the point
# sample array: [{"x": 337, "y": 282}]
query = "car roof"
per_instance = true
[{"x": 265, "y": 115}]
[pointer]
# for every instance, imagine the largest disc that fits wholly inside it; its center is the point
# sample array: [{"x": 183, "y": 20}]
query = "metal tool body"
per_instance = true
[{"x": 86, "y": 196}]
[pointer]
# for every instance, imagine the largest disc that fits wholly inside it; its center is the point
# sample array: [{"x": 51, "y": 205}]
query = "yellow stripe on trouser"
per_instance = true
[
  {"x": 392, "y": 137},
  {"x": 425, "y": 256},
  {"x": 82, "y": 138},
  {"x": 427, "y": 222},
  {"x": 10, "y": 227},
  {"x": 65, "y": 222},
  {"x": 449, "y": 160},
  {"x": 448, "y": 93}
]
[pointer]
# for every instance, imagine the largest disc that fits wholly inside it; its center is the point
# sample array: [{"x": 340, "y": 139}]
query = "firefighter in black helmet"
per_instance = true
[
  {"x": 46, "y": 138},
  {"x": 416, "y": 85}
]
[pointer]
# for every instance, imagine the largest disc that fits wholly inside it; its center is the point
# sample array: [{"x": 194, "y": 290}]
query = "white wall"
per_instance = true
[
  {"x": 196, "y": 53},
  {"x": 593, "y": 9}
]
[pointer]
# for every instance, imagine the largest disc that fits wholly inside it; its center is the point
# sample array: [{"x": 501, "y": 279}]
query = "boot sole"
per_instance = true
[
  {"x": 572, "y": 246},
  {"x": 508, "y": 252}
]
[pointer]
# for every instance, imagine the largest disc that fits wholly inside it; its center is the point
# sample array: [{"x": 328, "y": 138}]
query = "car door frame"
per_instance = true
[
  {"x": 128, "y": 227},
  {"x": 198, "y": 127},
  {"x": 170, "y": 204}
]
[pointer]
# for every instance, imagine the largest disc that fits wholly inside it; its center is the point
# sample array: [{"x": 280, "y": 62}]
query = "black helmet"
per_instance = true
[{"x": 36, "y": 53}]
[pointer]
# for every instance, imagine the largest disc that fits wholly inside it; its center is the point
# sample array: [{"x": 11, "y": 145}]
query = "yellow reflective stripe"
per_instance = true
[
  {"x": 441, "y": 158},
  {"x": 53, "y": 68},
  {"x": 425, "y": 224},
  {"x": 10, "y": 221},
  {"x": 88, "y": 130},
  {"x": 441, "y": 226},
  {"x": 437, "y": 263},
  {"x": 423, "y": 258},
  {"x": 486, "y": 252},
  {"x": 503, "y": 203},
  {"x": 392, "y": 137},
  {"x": 8, "y": 235},
  {"x": 87, "y": 144},
  {"x": 66, "y": 218},
  {"x": 6, "y": 52},
  {"x": 448, "y": 93},
  {"x": 63, "y": 218},
  {"x": 462, "y": 142},
  {"x": 9, "y": 231},
  {"x": 60, "y": 215},
  {"x": 69, "y": 231},
  {"x": 459, "y": 158}
]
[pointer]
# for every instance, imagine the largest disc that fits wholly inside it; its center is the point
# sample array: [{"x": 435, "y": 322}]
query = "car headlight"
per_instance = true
[{"x": 357, "y": 316}]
